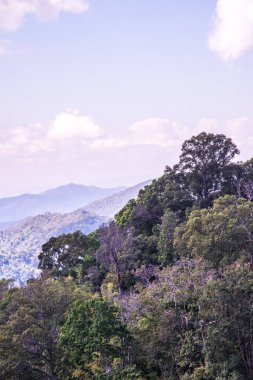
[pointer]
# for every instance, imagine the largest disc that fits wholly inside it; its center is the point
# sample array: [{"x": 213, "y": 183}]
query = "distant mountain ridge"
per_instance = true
[
  {"x": 62, "y": 199},
  {"x": 110, "y": 205}
]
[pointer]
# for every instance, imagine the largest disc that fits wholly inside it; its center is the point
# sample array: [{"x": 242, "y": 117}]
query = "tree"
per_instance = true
[
  {"x": 146, "y": 250},
  {"x": 227, "y": 313},
  {"x": 123, "y": 217},
  {"x": 29, "y": 325},
  {"x": 177, "y": 195},
  {"x": 219, "y": 235},
  {"x": 115, "y": 252},
  {"x": 202, "y": 162},
  {"x": 162, "y": 318},
  {"x": 93, "y": 341},
  {"x": 247, "y": 180},
  {"x": 166, "y": 249},
  {"x": 62, "y": 255},
  {"x": 238, "y": 180}
]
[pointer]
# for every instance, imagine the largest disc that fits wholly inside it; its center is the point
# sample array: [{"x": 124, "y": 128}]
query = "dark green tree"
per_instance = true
[
  {"x": 202, "y": 162},
  {"x": 93, "y": 341},
  {"x": 64, "y": 254},
  {"x": 166, "y": 250}
]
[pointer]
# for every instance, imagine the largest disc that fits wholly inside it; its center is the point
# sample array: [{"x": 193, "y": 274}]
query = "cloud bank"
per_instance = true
[
  {"x": 73, "y": 148},
  {"x": 71, "y": 134},
  {"x": 71, "y": 129},
  {"x": 65, "y": 133},
  {"x": 232, "y": 33},
  {"x": 13, "y": 12}
]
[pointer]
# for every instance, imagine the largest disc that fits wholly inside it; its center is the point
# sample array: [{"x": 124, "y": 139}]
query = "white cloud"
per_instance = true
[
  {"x": 68, "y": 125},
  {"x": 13, "y": 12},
  {"x": 71, "y": 134},
  {"x": 73, "y": 148},
  {"x": 66, "y": 135},
  {"x": 232, "y": 33}
]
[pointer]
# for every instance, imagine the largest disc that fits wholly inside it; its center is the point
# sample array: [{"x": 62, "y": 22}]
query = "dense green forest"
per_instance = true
[{"x": 164, "y": 292}]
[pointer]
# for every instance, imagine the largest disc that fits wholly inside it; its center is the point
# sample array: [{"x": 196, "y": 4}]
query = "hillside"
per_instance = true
[
  {"x": 20, "y": 244},
  {"x": 61, "y": 199},
  {"x": 110, "y": 205}
]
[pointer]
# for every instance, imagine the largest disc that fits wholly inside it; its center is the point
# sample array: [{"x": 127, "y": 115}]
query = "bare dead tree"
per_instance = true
[{"x": 115, "y": 251}]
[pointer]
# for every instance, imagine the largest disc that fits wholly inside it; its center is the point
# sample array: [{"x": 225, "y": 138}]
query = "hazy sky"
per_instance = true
[{"x": 105, "y": 91}]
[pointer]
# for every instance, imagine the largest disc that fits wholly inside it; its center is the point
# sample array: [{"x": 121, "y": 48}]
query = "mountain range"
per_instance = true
[
  {"x": 20, "y": 243},
  {"x": 62, "y": 199}
]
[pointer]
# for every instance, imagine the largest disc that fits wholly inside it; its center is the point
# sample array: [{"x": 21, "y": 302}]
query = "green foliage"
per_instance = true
[
  {"x": 190, "y": 355},
  {"x": 238, "y": 180},
  {"x": 63, "y": 254},
  {"x": 29, "y": 323},
  {"x": 160, "y": 316},
  {"x": 128, "y": 372},
  {"x": 202, "y": 162},
  {"x": 227, "y": 312},
  {"x": 93, "y": 341},
  {"x": 176, "y": 195},
  {"x": 146, "y": 249},
  {"x": 163, "y": 292},
  {"x": 123, "y": 217},
  {"x": 166, "y": 249},
  {"x": 219, "y": 235}
]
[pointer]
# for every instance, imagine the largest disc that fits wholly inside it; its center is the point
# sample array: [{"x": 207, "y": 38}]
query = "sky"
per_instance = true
[{"x": 104, "y": 92}]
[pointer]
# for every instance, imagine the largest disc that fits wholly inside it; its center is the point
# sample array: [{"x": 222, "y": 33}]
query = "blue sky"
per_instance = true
[{"x": 105, "y": 91}]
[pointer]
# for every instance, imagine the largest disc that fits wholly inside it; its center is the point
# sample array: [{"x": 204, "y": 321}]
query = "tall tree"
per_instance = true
[{"x": 202, "y": 162}]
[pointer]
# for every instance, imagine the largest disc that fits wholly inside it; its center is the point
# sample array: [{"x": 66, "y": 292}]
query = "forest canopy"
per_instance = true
[{"x": 164, "y": 291}]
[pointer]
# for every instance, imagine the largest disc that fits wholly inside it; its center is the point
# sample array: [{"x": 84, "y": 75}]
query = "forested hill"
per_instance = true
[
  {"x": 20, "y": 244},
  {"x": 163, "y": 292}
]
